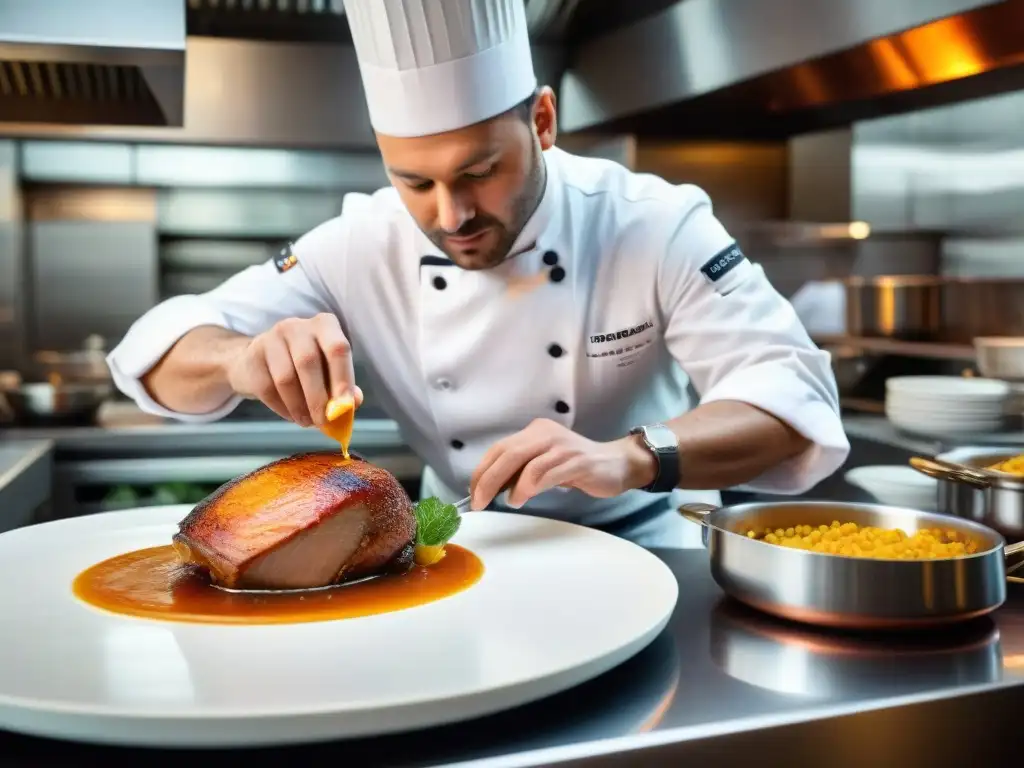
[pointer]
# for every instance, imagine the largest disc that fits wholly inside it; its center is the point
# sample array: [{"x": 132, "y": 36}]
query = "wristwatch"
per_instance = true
[{"x": 662, "y": 442}]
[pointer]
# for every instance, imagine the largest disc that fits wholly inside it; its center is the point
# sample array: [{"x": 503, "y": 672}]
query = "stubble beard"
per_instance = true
[{"x": 523, "y": 208}]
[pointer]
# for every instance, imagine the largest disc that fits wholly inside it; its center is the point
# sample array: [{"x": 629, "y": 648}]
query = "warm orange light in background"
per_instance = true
[
  {"x": 897, "y": 72},
  {"x": 934, "y": 53},
  {"x": 943, "y": 50}
]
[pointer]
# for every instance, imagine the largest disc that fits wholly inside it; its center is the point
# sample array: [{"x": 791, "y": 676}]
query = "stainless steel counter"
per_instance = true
[
  {"x": 721, "y": 686},
  {"x": 25, "y": 480}
]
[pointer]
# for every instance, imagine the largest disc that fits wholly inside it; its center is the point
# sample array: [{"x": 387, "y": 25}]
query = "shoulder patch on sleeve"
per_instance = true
[
  {"x": 286, "y": 259},
  {"x": 722, "y": 263}
]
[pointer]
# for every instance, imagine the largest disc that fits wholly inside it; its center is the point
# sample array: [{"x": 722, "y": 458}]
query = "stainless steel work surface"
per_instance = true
[
  {"x": 721, "y": 686},
  {"x": 25, "y": 478}
]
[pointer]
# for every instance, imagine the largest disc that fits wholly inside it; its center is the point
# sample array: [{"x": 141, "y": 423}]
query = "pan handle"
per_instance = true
[
  {"x": 1008, "y": 552},
  {"x": 944, "y": 470},
  {"x": 697, "y": 512}
]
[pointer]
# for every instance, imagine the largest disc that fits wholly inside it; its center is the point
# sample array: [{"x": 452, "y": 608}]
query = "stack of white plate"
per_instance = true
[
  {"x": 896, "y": 485},
  {"x": 942, "y": 405}
]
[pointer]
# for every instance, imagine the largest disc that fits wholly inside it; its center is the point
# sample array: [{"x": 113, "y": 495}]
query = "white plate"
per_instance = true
[
  {"x": 896, "y": 485},
  {"x": 964, "y": 406},
  {"x": 558, "y": 604},
  {"x": 937, "y": 429},
  {"x": 891, "y": 476},
  {"x": 950, "y": 387}
]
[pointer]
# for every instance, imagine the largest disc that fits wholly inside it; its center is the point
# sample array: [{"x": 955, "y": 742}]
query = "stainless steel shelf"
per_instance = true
[{"x": 922, "y": 349}]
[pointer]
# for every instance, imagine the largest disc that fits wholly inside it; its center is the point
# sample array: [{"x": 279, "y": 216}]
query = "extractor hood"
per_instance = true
[
  {"x": 92, "y": 62},
  {"x": 747, "y": 68}
]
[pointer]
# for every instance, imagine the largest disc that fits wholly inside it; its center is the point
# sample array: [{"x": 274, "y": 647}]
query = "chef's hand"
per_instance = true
[
  {"x": 296, "y": 367},
  {"x": 551, "y": 455}
]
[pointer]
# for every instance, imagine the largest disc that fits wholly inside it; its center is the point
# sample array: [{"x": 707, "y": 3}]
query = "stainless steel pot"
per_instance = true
[
  {"x": 863, "y": 593},
  {"x": 899, "y": 307},
  {"x": 991, "y": 499}
]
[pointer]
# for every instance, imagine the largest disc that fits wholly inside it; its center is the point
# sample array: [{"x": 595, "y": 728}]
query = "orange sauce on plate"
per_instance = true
[{"x": 152, "y": 583}]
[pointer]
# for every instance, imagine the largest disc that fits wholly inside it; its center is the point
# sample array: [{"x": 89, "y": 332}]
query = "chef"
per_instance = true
[{"x": 594, "y": 335}]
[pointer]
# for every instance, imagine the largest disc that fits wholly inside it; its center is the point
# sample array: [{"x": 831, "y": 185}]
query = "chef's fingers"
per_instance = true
[
  {"x": 338, "y": 354},
  {"x": 485, "y": 463},
  {"x": 262, "y": 386},
  {"x": 286, "y": 378},
  {"x": 504, "y": 468},
  {"x": 309, "y": 365},
  {"x": 530, "y": 481}
]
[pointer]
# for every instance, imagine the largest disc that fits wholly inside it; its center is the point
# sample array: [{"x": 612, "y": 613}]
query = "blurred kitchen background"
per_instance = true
[{"x": 868, "y": 153}]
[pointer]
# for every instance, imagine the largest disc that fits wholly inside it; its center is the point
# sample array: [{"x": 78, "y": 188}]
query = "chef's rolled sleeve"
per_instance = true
[
  {"x": 738, "y": 339},
  {"x": 249, "y": 302},
  {"x": 149, "y": 339}
]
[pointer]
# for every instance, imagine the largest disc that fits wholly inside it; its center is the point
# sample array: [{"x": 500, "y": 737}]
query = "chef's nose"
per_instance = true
[{"x": 452, "y": 210}]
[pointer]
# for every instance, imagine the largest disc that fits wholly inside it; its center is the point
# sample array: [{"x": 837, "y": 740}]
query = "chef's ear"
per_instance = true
[{"x": 545, "y": 117}]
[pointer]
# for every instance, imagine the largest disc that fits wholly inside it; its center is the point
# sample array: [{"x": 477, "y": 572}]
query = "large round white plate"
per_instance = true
[{"x": 558, "y": 604}]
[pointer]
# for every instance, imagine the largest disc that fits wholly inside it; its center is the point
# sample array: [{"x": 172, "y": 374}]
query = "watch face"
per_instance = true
[{"x": 662, "y": 438}]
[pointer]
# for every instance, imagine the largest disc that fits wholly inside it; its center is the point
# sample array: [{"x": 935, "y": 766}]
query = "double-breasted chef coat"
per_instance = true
[{"x": 621, "y": 292}]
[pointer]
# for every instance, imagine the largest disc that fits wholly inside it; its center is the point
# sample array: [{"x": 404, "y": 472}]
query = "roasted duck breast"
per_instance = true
[{"x": 310, "y": 520}]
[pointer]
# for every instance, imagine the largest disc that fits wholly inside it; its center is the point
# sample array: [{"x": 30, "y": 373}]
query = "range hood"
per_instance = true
[
  {"x": 752, "y": 69},
  {"x": 95, "y": 62}
]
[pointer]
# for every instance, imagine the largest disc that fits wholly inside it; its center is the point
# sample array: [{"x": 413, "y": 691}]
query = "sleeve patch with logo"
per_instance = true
[
  {"x": 722, "y": 263},
  {"x": 285, "y": 260}
]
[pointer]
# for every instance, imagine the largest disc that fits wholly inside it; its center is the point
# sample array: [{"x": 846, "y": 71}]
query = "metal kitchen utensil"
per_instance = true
[
  {"x": 463, "y": 504},
  {"x": 851, "y": 592},
  {"x": 970, "y": 492}
]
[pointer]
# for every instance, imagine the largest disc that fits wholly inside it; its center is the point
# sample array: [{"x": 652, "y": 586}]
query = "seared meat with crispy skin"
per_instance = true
[{"x": 310, "y": 520}]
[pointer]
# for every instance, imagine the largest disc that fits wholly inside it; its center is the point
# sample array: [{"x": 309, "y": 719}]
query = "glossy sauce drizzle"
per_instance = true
[
  {"x": 152, "y": 583},
  {"x": 341, "y": 413}
]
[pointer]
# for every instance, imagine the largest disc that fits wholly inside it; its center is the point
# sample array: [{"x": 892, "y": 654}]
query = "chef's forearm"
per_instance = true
[
  {"x": 727, "y": 443},
  {"x": 192, "y": 377}
]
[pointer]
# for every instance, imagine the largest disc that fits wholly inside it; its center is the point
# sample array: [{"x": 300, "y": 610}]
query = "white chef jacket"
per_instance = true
[{"x": 621, "y": 291}]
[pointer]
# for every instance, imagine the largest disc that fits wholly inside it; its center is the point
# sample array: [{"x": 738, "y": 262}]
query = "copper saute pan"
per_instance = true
[{"x": 852, "y": 592}]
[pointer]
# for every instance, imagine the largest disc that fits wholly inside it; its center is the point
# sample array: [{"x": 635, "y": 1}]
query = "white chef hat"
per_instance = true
[{"x": 430, "y": 66}]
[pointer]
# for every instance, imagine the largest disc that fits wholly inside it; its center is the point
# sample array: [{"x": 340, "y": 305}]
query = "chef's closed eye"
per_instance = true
[
  {"x": 484, "y": 173},
  {"x": 425, "y": 185}
]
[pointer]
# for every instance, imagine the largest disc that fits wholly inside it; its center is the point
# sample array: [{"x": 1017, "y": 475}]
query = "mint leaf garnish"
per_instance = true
[{"x": 436, "y": 522}]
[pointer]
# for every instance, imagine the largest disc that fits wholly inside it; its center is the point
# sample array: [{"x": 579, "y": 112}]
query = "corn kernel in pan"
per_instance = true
[{"x": 851, "y": 540}]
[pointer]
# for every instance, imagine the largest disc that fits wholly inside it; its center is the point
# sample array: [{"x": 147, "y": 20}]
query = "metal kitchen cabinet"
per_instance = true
[
  {"x": 92, "y": 263},
  {"x": 90, "y": 277}
]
